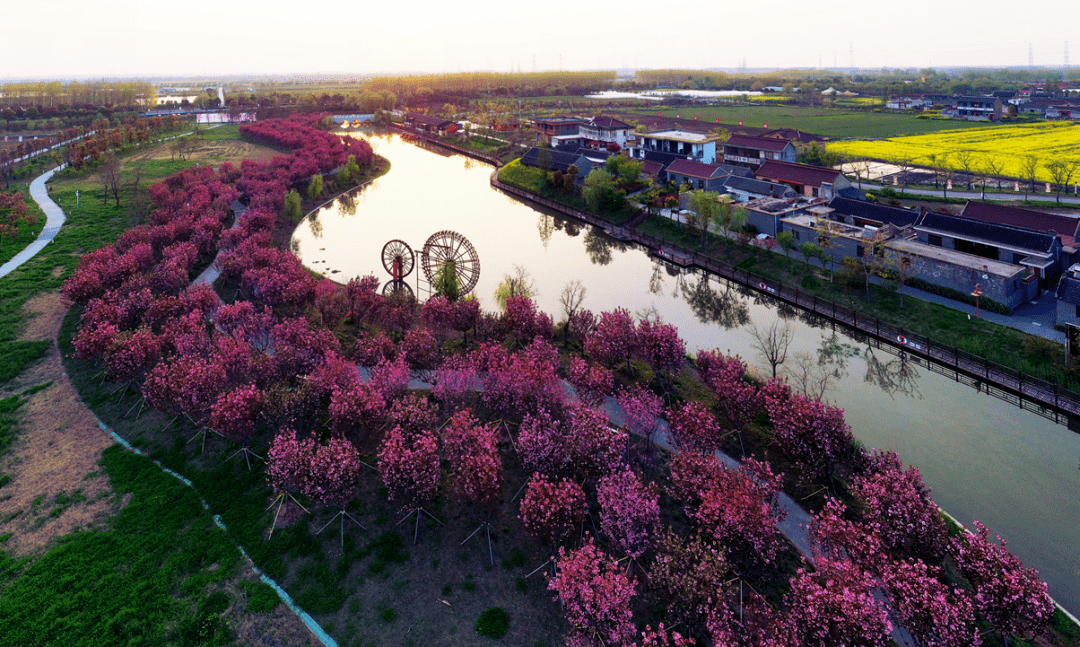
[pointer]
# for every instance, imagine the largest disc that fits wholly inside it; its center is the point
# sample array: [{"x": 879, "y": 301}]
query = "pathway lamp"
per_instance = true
[{"x": 976, "y": 293}]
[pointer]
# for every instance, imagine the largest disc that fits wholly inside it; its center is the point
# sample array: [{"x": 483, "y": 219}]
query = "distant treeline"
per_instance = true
[
  {"x": 457, "y": 88},
  {"x": 54, "y": 94}
]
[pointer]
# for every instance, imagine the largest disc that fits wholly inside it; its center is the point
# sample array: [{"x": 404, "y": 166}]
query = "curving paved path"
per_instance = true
[{"x": 54, "y": 218}]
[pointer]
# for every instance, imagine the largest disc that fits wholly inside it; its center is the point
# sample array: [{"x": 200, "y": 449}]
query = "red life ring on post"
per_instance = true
[
  {"x": 762, "y": 286},
  {"x": 902, "y": 339}
]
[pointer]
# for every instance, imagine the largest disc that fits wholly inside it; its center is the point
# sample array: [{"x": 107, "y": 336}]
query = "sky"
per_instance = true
[{"x": 68, "y": 39}]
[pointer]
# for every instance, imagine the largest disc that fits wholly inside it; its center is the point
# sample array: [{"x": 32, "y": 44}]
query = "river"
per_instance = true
[{"x": 985, "y": 459}]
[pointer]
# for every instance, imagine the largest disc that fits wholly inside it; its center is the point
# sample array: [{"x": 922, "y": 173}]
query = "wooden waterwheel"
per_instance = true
[
  {"x": 398, "y": 259},
  {"x": 449, "y": 251}
]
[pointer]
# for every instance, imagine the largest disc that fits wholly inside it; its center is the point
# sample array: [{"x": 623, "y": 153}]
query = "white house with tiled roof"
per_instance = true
[{"x": 603, "y": 130}]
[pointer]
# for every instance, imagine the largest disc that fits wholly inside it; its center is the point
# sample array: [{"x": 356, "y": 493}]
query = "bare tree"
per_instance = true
[
  {"x": 1062, "y": 171},
  {"x": 773, "y": 342},
  {"x": 942, "y": 166},
  {"x": 965, "y": 159},
  {"x": 571, "y": 298},
  {"x": 905, "y": 164},
  {"x": 139, "y": 204},
  {"x": 110, "y": 177},
  {"x": 992, "y": 169},
  {"x": 1029, "y": 169}
]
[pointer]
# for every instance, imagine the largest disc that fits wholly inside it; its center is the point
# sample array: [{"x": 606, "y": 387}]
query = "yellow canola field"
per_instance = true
[{"x": 1008, "y": 145}]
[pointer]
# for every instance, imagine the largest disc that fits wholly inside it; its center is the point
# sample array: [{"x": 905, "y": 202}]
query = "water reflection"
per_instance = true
[
  {"x": 346, "y": 204},
  {"x": 597, "y": 246},
  {"x": 315, "y": 224},
  {"x": 546, "y": 224},
  {"x": 721, "y": 306},
  {"x": 898, "y": 375}
]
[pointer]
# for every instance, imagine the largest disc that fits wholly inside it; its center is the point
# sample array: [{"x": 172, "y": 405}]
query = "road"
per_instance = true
[{"x": 969, "y": 195}]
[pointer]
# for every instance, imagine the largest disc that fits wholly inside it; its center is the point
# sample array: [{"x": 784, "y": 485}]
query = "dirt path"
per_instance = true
[
  {"x": 58, "y": 446},
  {"x": 57, "y": 451}
]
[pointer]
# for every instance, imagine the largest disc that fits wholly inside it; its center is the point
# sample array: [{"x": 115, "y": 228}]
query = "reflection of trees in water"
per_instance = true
[
  {"x": 784, "y": 310},
  {"x": 597, "y": 246},
  {"x": 315, "y": 224},
  {"x": 469, "y": 163},
  {"x": 571, "y": 227},
  {"x": 546, "y": 224},
  {"x": 656, "y": 281},
  {"x": 812, "y": 319},
  {"x": 346, "y": 204},
  {"x": 723, "y": 306},
  {"x": 815, "y": 373},
  {"x": 899, "y": 374}
]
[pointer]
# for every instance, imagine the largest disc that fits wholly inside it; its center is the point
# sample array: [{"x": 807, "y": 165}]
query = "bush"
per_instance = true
[
  {"x": 493, "y": 623},
  {"x": 261, "y": 596}
]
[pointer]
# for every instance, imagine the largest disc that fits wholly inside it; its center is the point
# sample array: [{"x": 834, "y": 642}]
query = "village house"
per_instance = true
[
  {"x": 431, "y": 125},
  {"x": 908, "y": 103},
  {"x": 1038, "y": 253},
  {"x": 752, "y": 152},
  {"x": 700, "y": 147},
  {"x": 745, "y": 189},
  {"x": 948, "y": 267},
  {"x": 553, "y": 160},
  {"x": 974, "y": 108},
  {"x": 699, "y": 175},
  {"x": 765, "y": 214},
  {"x": 1068, "y": 298},
  {"x": 601, "y": 131},
  {"x": 861, "y": 213},
  {"x": 811, "y": 181},
  {"x": 548, "y": 127}
]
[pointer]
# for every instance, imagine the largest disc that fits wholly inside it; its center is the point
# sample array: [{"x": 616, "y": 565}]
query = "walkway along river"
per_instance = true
[{"x": 985, "y": 458}]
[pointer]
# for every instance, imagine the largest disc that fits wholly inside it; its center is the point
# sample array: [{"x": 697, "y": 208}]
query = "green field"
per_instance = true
[{"x": 829, "y": 122}]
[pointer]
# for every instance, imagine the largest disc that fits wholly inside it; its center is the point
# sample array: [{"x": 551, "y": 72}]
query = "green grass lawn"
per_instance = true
[
  {"x": 82, "y": 591},
  {"x": 836, "y": 123}
]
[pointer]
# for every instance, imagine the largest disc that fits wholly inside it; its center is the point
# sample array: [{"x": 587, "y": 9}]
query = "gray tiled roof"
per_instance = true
[
  {"x": 987, "y": 231},
  {"x": 872, "y": 211}
]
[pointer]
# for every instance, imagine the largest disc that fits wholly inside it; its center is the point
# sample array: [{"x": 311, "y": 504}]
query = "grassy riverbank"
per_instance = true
[{"x": 78, "y": 515}]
